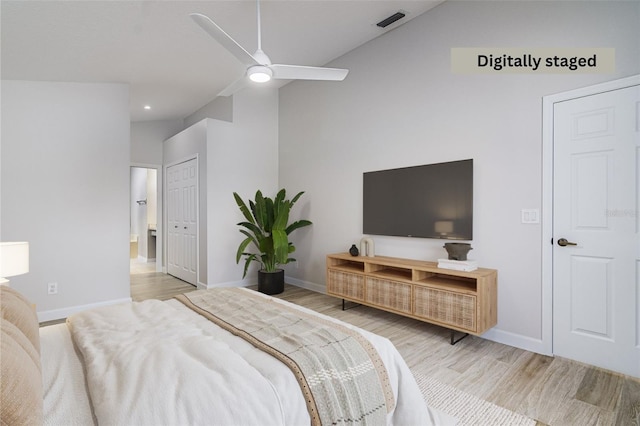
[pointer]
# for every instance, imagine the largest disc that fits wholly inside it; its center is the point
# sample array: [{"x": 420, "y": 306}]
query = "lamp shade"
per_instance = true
[{"x": 14, "y": 259}]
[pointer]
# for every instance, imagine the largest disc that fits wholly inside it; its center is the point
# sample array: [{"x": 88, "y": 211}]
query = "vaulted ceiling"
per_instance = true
[{"x": 170, "y": 63}]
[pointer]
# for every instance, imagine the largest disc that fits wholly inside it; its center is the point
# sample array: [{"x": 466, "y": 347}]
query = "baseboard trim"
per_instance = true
[
  {"x": 56, "y": 314},
  {"x": 318, "y": 288},
  {"x": 240, "y": 283},
  {"x": 517, "y": 340}
]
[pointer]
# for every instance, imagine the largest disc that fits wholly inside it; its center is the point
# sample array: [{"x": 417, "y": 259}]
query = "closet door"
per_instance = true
[{"x": 182, "y": 221}]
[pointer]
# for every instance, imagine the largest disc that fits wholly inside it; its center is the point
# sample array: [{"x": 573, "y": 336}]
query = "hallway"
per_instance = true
[{"x": 148, "y": 284}]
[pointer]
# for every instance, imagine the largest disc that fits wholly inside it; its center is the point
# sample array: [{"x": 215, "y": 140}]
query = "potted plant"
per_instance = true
[{"x": 267, "y": 228}]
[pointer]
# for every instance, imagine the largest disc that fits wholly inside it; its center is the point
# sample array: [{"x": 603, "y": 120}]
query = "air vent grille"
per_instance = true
[{"x": 391, "y": 19}]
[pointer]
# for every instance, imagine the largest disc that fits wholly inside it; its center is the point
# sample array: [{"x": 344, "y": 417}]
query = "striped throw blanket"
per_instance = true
[{"x": 340, "y": 373}]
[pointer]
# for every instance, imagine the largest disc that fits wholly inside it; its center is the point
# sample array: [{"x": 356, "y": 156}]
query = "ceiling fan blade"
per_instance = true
[
  {"x": 300, "y": 72},
  {"x": 234, "y": 87},
  {"x": 223, "y": 38}
]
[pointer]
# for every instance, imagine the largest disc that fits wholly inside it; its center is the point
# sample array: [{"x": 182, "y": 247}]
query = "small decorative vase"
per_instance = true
[
  {"x": 457, "y": 251},
  {"x": 354, "y": 250}
]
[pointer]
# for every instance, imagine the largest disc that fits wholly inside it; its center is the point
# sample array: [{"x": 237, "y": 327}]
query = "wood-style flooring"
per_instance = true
[
  {"x": 148, "y": 284},
  {"x": 553, "y": 391}
]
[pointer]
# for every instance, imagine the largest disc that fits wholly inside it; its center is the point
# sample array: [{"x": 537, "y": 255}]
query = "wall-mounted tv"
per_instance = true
[{"x": 429, "y": 201}]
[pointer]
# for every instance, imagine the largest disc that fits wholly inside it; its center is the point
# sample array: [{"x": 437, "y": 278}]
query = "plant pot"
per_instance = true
[{"x": 271, "y": 282}]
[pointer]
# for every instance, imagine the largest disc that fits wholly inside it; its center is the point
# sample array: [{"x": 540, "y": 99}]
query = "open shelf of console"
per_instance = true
[{"x": 459, "y": 300}]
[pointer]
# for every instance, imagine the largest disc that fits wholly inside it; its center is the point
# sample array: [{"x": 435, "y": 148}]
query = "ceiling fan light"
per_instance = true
[{"x": 259, "y": 74}]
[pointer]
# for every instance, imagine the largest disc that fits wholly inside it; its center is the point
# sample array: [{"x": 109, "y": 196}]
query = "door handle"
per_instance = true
[
  {"x": 563, "y": 242},
  {"x": 176, "y": 226},
  {"x": 185, "y": 227}
]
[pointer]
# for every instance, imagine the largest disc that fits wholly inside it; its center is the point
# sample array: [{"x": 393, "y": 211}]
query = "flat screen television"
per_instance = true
[{"x": 429, "y": 201}]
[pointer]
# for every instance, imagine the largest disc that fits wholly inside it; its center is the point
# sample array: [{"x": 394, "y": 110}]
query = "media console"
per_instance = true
[{"x": 458, "y": 300}]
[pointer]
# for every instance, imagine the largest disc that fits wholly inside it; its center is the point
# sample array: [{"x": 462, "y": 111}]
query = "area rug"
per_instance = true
[{"x": 470, "y": 410}]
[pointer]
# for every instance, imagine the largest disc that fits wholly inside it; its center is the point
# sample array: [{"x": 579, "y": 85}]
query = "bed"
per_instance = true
[{"x": 215, "y": 357}]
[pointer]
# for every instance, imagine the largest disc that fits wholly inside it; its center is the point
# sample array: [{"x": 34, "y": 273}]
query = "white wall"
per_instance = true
[
  {"x": 147, "y": 138},
  {"x": 401, "y": 106},
  {"x": 138, "y": 213},
  {"x": 239, "y": 156},
  {"x": 242, "y": 157},
  {"x": 152, "y": 197},
  {"x": 220, "y": 108},
  {"x": 65, "y": 190}
]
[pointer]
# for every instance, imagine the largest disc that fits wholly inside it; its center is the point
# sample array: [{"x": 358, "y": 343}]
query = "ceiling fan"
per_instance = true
[{"x": 259, "y": 66}]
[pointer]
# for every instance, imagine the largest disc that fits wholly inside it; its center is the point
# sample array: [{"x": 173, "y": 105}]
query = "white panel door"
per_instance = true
[
  {"x": 596, "y": 295},
  {"x": 182, "y": 220}
]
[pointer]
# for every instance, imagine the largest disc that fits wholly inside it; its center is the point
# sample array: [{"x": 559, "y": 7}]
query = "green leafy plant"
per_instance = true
[{"x": 267, "y": 228}]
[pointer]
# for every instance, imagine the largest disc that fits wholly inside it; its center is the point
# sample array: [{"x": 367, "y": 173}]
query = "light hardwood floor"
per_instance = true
[
  {"x": 553, "y": 391},
  {"x": 147, "y": 284}
]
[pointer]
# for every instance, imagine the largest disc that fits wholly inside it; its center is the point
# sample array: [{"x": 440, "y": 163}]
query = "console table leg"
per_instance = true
[
  {"x": 453, "y": 333},
  {"x": 345, "y": 308}
]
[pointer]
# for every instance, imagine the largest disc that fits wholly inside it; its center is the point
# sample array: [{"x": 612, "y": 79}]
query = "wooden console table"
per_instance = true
[{"x": 458, "y": 300}]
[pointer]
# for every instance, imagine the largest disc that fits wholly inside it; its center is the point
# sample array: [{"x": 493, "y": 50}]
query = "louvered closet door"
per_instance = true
[{"x": 182, "y": 220}]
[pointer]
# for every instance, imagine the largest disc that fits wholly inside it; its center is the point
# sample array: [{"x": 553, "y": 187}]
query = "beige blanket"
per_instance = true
[{"x": 340, "y": 373}]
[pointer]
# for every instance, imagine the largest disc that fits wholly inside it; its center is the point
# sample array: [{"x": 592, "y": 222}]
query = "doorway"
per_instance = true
[
  {"x": 144, "y": 250},
  {"x": 592, "y": 301}
]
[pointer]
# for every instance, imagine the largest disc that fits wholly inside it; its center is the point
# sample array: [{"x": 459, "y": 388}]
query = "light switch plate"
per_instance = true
[{"x": 530, "y": 216}]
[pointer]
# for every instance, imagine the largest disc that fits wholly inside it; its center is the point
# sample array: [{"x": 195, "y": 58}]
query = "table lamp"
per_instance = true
[{"x": 14, "y": 260}]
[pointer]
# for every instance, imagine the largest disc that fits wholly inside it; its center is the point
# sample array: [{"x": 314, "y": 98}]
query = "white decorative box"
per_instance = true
[{"x": 458, "y": 265}]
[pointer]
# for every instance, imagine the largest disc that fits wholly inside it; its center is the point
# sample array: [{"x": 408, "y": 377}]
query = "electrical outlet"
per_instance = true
[{"x": 52, "y": 288}]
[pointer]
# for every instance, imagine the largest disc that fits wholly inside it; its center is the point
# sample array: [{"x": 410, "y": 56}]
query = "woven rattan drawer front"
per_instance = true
[
  {"x": 390, "y": 294},
  {"x": 446, "y": 307},
  {"x": 345, "y": 284}
]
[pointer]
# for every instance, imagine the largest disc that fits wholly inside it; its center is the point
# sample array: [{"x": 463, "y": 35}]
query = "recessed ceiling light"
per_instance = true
[{"x": 147, "y": 107}]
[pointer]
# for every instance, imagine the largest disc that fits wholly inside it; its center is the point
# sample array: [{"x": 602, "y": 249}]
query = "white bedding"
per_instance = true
[
  {"x": 186, "y": 370},
  {"x": 66, "y": 400}
]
